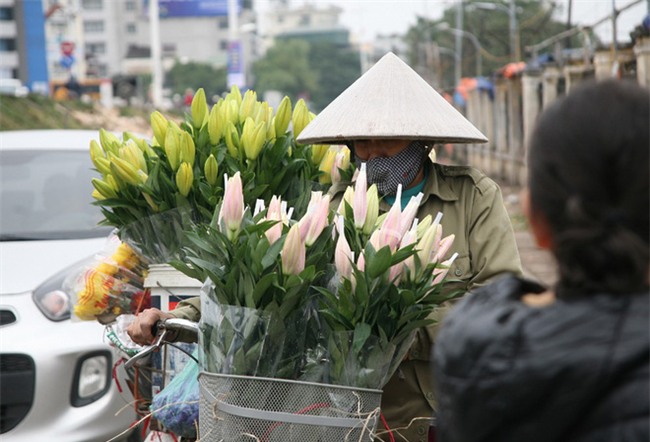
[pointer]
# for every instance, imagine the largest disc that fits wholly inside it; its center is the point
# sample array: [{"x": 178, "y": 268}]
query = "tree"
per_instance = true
[
  {"x": 491, "y": 28},
  {"x": 286, "y": 68},
  {"x": 338, "y": 68},
  {"x": 194, "y": 75},
  {"x": 317, "y": 71}
]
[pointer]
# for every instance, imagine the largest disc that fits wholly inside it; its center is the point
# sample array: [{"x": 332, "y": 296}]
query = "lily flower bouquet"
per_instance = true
[
  {"x": 332, "y": 297},
  {"x": 112, "y": 284},
  {"x": 152, "y": 191}
]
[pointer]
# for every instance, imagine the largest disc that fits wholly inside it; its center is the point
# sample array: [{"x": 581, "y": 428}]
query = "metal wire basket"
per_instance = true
[{"x": 243, "y": 408}]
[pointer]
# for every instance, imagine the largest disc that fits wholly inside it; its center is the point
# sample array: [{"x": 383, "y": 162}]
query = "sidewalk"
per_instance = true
[{"x": 538, "y": 264}]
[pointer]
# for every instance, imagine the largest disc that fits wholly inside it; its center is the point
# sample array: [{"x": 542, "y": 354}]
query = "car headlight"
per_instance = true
[
  {"x": 52, "y": 297},
  {"x": 55, "y": 304},
  {"x": 91, "y": 378}
]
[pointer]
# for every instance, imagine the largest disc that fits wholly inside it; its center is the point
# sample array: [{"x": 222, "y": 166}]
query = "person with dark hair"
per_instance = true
[{"x": 515, "y": 361}]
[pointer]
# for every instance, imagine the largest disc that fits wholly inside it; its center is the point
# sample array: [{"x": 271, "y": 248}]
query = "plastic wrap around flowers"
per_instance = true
[
  {"x": 303, "y": 300},
  {"x": 111, "y": 286}
]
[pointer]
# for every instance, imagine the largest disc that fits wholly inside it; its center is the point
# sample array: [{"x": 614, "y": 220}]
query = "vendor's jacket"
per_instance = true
[{"x": 574, "y": 370}]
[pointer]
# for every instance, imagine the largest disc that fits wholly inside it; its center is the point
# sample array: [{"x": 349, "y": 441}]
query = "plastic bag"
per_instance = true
[
  {"x": 111, "y": 285},
  {"x": 116, "y": 333},
  {"x": 177, "y": 405}
]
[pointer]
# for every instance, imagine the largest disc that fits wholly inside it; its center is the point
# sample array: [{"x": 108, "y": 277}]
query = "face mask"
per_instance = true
[{"x": 389, "y": 172}]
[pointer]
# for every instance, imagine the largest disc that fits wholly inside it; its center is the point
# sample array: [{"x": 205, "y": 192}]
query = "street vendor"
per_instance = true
[{"x": 391, "y": 118}]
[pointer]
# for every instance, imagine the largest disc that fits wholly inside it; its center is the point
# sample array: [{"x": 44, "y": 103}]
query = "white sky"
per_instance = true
[{"x": 368, "y": 18}]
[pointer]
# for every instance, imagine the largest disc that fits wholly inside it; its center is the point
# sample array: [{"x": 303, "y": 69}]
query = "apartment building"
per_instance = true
[
  {"x": 51, "y": 41},
  {"x": 22, "y": 43}
]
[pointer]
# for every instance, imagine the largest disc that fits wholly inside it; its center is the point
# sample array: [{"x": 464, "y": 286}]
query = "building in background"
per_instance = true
[
  {"x": 306, "y": 22},
  {"x": 91, "y": 41},
  {"x": 22, "y": 43}
]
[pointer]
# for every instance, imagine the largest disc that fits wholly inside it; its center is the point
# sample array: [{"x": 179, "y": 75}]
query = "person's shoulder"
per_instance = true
[{"x": 469, "y": 175}]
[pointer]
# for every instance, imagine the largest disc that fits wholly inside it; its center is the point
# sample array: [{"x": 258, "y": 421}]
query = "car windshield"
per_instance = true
[{"x": 47, "y": 195}]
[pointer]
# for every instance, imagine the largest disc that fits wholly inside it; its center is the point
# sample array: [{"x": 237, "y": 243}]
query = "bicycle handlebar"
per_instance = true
[{"x": 165, "y": 331}]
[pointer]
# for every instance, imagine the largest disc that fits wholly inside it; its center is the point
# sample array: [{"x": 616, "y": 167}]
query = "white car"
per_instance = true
[
  {"x": 55, "y": 372},
  {"x": 13, "y": 87}
]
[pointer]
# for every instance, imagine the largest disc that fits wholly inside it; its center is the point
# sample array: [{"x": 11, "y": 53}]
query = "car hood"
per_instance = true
[{"x": 24, "y": 265}]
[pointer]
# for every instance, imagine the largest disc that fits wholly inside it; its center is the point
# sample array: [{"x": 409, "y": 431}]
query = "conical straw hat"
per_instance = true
[{"x": 390, "y": 101}]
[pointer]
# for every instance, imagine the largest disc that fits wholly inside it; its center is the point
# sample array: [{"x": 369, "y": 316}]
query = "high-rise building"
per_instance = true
[{"x": 22, "y": 43}]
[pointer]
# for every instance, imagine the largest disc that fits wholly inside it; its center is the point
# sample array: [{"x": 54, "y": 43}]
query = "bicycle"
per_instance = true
[{"x": 141, "y": 372}]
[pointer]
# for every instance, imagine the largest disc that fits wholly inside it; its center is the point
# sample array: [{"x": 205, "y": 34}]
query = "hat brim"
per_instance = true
[{"x": 390, "y": 101}]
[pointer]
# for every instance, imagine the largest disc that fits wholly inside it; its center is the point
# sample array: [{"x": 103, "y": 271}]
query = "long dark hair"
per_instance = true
[{"x": 588, "y": 176}]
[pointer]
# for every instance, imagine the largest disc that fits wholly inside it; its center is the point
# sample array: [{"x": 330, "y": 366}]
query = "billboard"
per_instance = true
[{"x": 195, "y": 8}]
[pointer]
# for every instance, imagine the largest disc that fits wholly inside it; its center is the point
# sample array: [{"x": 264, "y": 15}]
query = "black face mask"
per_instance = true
[{"x": 387, "y": 173}]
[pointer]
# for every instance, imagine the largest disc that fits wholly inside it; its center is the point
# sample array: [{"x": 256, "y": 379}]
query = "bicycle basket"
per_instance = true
[{"x": 244, "y": 408}]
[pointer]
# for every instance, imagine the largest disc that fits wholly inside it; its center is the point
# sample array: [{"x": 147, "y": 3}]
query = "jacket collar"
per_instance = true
[{"x": 436, "y": 184}]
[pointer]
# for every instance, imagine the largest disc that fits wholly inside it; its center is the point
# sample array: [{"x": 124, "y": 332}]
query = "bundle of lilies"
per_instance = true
[
  {"x": 151, "y": 191},
  {"x": 111, "y": 286},
  {"x": 334, "y": 296}
]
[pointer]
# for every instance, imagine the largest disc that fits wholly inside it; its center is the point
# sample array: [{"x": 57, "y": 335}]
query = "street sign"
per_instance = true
[{"x": 67, "y": 48}]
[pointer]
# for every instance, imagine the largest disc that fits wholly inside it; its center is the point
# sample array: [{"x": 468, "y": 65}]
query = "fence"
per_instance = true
[{"x": 507, "y": 118}]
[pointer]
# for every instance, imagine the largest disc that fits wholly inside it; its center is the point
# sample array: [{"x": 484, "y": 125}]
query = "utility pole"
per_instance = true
[
  {"x": 459, "y": 42},
  {"x": 156, "y": 63},
  {"x": 236, "y": 75},
  {"x": 514, "y": 32}
]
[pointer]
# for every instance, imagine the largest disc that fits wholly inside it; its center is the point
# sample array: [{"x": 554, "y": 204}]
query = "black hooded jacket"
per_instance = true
[{"x": 575, "y": 370}]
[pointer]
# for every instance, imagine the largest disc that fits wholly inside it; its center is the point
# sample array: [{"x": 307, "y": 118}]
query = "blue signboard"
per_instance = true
[
  {"x": 35, "y": 71},
  {"x": 235, "y": 62},
  {"x": 195, "y": 8}
]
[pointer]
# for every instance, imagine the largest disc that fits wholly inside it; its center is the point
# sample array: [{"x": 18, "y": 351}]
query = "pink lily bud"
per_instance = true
[
  {"x": 341, "y": 161},
  {"x": 232, "y": 207},
  {"x": 361, "y": 262},
  {"x": 293, "y": 252},
  {"x": 360, "y": 205},
  {"x": 442, "y": 271},
  {"x": 343, "y": 255},
  {"x": 443, "y": 247},
  {"x": 409, "y": 238},
  {"x": 409, "y": 212},
  {"x": 395, "y": 273},
  {"x": 316, "y": 218},
  {"x": 275, "y": 213},
  {"x": 390, "y": 230}
]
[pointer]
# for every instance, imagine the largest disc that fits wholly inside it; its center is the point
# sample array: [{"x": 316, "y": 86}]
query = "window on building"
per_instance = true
[
  {"x": 223, "y": 45},
  {"x": 129, "y": 5},
  {"x": 96, "y": 48},
  {"x": 94, "y": 26},
  {"x": 7, "y": 44},
  {"x": 92, "y": 4},
  {"x": 304, "y": 20},
  {"x": 131, "y": 28},
  {"x": 222, "y": 23},
  {"x": 169, "y": 49},
  {"x": 102, "y": 70},
  {"x": 6, "y": 13}
]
